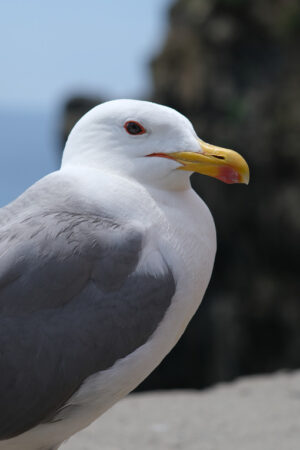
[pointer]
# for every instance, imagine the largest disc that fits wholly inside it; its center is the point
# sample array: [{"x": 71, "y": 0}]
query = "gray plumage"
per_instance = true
[{"x": 71, "y": 302}]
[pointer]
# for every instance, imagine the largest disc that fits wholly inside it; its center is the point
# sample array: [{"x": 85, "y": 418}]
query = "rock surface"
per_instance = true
[
  {"x": 256, "y": 413},
  {"x": 233, "y": 68}
]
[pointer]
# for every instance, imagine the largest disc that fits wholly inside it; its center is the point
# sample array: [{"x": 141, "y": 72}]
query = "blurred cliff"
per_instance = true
[{"x": 233, "y": 68}]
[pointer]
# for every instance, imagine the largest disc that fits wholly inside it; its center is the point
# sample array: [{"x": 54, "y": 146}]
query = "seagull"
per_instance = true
[{"x": 102, "y": 265}]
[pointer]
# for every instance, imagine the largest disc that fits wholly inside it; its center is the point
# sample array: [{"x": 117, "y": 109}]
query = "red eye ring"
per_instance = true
[{"x": 134, "y": 128}]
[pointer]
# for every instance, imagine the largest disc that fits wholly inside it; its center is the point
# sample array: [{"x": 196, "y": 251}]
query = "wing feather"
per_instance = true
[{"x": 71, "y": 304}]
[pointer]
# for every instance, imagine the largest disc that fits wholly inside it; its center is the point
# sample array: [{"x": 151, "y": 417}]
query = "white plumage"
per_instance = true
[{"x": 141, "y": 179}]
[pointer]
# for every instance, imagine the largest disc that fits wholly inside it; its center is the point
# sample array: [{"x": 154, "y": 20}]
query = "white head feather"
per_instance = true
[{"x": 99, "y": 140}]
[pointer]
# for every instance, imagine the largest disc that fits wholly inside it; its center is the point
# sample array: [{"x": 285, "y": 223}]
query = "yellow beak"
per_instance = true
[{"x": 223, "y": 164}]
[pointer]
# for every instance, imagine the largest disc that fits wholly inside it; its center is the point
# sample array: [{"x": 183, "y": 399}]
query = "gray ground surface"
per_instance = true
[{"x": 261, "y": 413}]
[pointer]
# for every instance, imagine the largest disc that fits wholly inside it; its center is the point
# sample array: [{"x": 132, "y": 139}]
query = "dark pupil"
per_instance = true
[{"x": 133, "y": 128}]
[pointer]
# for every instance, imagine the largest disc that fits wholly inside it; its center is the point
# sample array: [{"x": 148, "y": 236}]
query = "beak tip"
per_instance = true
[{"x": 246, "y": 177}]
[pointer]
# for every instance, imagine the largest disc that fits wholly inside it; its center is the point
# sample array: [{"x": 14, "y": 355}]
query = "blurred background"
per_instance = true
[{"x": 233, "y": 68}]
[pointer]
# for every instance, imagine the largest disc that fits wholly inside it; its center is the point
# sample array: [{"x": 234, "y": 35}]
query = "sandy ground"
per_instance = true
[{"x": 261, "y": 413}]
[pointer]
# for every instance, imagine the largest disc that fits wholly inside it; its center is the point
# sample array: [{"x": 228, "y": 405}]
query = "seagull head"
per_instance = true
[{"x": 151, "y": 143}]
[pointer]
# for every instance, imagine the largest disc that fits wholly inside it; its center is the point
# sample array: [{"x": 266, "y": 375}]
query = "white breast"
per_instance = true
[{"x": 181, "y": 227}]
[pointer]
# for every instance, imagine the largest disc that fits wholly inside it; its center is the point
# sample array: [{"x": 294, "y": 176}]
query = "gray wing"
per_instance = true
[{"x": 71, "y": 304}]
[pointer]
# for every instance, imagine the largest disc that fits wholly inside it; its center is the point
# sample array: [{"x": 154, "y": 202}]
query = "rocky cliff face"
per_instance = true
[{"x": 233, "y": 68}]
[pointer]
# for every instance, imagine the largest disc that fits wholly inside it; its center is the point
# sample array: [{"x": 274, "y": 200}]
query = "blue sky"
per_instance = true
[{"x": 50, "y": 49}]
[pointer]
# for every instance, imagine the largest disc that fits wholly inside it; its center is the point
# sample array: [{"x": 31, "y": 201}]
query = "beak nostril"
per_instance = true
[{"x": 218, "y": 157}]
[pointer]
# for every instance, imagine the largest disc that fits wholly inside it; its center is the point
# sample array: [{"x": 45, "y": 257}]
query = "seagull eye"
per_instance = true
[{"x": 134, "y": 128}]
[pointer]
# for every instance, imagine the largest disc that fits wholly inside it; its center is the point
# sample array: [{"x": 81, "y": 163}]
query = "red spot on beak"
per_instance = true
[{"x": 228, "y": 175}]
